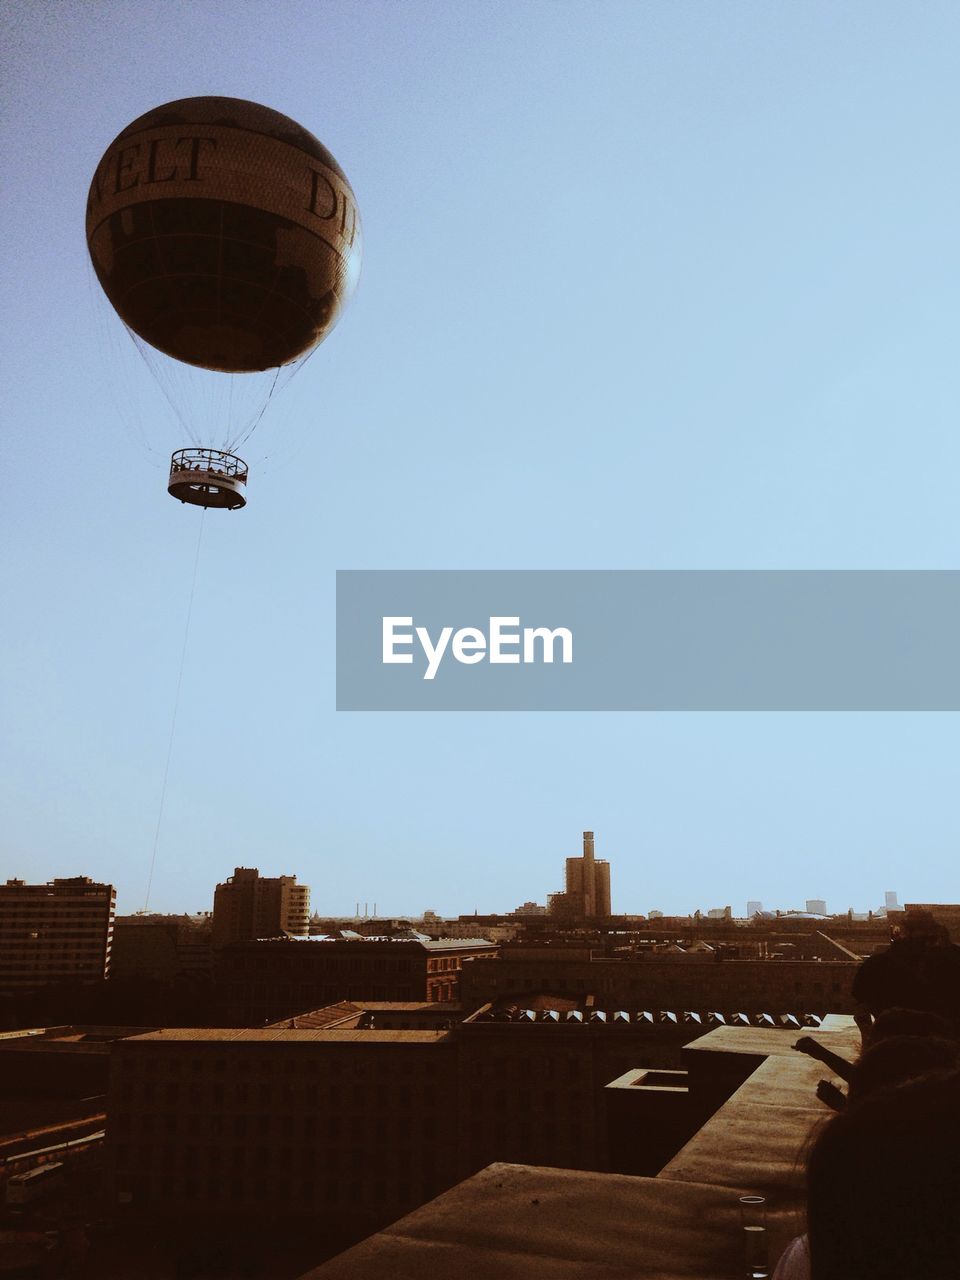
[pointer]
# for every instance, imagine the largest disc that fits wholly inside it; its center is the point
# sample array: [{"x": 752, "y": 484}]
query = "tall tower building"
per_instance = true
[
  {"x": 55, "y": 932},
  {"x": 587, "y": 888},
  {"x": 250, "y": 906}
]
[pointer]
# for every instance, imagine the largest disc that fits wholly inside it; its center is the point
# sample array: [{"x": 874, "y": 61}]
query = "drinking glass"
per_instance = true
[{"x": 753, "y": 1228}]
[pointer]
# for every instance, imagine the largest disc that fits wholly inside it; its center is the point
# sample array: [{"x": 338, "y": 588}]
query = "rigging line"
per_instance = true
[
  {"x": 256, "y": 422},
  {"x": 155, "y": 374},
  {"x": 229, "y": 415},
  {"x": 106, "y": 336},
  {"x": 176, "y": 707},
  {"x": 294, "y": 368}
]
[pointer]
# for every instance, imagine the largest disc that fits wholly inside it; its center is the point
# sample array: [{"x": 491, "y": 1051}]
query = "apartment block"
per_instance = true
[
  {"x": 249, "y": 905},
  {"x": 55, "y": 933}
]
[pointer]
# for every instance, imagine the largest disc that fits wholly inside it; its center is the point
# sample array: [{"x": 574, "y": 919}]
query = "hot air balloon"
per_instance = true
[{"x": 226, "y": 237}]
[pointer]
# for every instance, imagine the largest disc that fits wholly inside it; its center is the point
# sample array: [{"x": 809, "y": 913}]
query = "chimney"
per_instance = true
[{"x": 588, "y": 845}]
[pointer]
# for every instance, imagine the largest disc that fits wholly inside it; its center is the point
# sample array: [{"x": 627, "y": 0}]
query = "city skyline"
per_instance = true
[{"x": 279, "y": 885}]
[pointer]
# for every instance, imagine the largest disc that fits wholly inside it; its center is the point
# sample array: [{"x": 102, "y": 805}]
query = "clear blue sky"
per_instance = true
[{"x": 645, "y": 285}]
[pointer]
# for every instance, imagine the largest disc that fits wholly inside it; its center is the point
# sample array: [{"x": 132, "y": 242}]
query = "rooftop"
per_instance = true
[
  {"x": 428, "y": 944},
  {"x": 281, "y": 1035},
  {"x": 513, "y": 1221},
  {"x": 346, "y": 1011}
]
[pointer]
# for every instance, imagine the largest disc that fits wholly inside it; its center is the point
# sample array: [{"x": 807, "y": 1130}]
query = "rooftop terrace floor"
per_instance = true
[{"x": 513, "y": 1221}]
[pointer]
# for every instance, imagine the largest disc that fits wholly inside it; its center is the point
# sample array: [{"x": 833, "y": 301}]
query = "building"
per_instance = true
[
  {"x": 686, "y": 980},
  {"x": 754, "y": 908},
  {"x": 252, "y": 906},
  {"x": 587, "y": 887},
  {"x": 753, "y": 1130},
  {"x": 347, "y": 1124},
  {"x": 816, "y": 907},
  {"x": 276, "y": 978},
  {"x": 57, "y": 932},
  {"x": 344, "y": 1129},
  {"x": 160, "y": 947}
]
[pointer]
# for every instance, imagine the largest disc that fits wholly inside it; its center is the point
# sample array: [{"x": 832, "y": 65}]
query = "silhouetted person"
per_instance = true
[
  {"x": 883, "y": 1200},
  {"x": 895, "y": 1059},
  {"x": 909, "y": 1022},
  {"x": 919, "y": 970},
  {"x": 883, "y": 1188},
  {"x": 899, "y": 1024}
]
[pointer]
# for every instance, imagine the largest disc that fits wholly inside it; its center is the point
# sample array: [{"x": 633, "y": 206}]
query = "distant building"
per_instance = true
[
  {"x": 530, "y": 909},
  {"x": 655, "y": 914},
  {"x": 160, "y": 947},
  {"x": 271, "y": 979},
  {"x": 890, "y": 901},
  {"x": 720, "y": 913},
  {"x": 587, "y": 891},
  {"x": 754, "y": 908},
  {"x": 56, "y": 932},
  {"x": 249, "y": 906},
  {"x": 816, "y": 906},
  {"x": 674, "y": 980}
]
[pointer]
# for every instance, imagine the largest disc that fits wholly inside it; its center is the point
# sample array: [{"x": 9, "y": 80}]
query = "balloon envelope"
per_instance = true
[{"x": 224, "y": 234}]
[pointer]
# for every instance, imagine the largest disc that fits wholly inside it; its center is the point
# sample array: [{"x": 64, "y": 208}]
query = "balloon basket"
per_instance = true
[{"x": 208, "y": 478}]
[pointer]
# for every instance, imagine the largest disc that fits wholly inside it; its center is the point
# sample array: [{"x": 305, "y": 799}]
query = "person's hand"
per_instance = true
[
  {"x": 828, "y": 1092},
  {"x": 809, "y": 1046}
]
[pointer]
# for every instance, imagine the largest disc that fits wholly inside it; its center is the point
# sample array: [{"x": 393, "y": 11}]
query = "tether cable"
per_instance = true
[{"x": 176, "y": 707}]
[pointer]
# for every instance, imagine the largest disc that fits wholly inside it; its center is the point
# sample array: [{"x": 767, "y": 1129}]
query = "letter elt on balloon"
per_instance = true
[{"x": 227, "y": 237}]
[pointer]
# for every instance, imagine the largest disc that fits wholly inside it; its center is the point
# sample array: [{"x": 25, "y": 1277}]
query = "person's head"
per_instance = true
[
  {"x": 908, "y": 1022},
  {"x": 894, "y": 1059},
  {"x": 883, "y": 1193}
]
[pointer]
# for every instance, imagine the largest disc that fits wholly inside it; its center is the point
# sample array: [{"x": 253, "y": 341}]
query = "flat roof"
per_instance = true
[
  {"x": 440, "y": 944},
  {"x": 409, "y": 1006},
  {"x": 565, "y": 1224},
  {"x": 274, "y": 1035},
  {"x": 515, "y": 1220},
  {"x": 837, "y": 1031}
]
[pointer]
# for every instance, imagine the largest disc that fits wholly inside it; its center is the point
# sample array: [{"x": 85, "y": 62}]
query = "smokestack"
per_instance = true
[{"x": 588, "y": 845}]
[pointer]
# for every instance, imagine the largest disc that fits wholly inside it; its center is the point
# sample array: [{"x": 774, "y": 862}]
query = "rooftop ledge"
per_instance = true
[{"x": 515, "y": 1221}]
